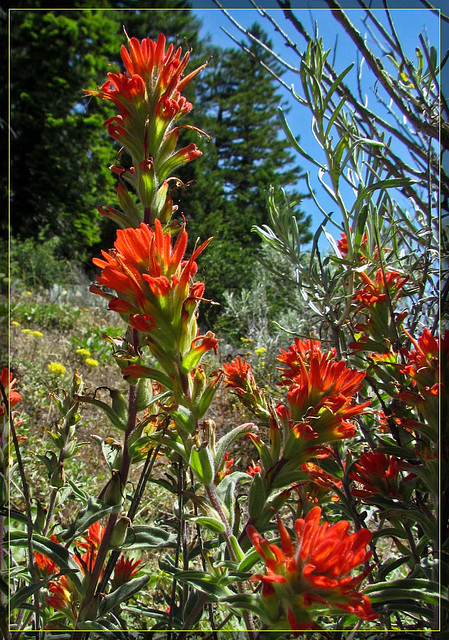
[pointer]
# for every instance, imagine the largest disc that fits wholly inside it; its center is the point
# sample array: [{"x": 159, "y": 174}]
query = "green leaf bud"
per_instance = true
[
  {"x": 57, "y": 478},
  {"x": 119, "y": 533},
  {"x": 202, "y": 463},
  {"x": 113, "y": 492}
]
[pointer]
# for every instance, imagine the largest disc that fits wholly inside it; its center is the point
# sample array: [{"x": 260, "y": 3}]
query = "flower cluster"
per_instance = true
[
  {"x": 422, "y": 372},
  {"x": 379, "y": 474},
  {"x": 62, "y": 594},
  {"x": 321, "y": 393},
  {"x": 148, "y": 97},
  {"x": 377, "y": 299},
  {"x": 155, "y": 294},
  {"x": 240, "y": 378},
  {"x": 300, "y": 579}
]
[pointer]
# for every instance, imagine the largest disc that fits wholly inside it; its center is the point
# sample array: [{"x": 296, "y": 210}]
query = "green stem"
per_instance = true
[
  {"x": 215, "y": 502},
  {"x": 26, "y": 495},
  {"x": 104, "y": 545}
]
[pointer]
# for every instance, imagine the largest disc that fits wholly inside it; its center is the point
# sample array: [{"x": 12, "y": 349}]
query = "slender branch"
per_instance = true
[
  {"x": 435, "y": 11},
  {"x": 344, "y": 91},
  {"x": 384, "y": 79}
]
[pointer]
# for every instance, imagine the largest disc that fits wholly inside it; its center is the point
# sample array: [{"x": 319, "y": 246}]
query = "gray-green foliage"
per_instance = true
[
  {"x": 271, "y": 310},
  {"x": 393, "y": 210},
  {"x": 34, "y": 263}
]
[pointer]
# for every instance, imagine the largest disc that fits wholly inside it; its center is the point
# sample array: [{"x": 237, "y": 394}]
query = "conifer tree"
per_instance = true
[
  {"x": 237, "y": 105},
  {"x": 60, "y": 153}
]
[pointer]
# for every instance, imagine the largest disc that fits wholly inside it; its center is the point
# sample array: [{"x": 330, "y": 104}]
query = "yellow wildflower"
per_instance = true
[
  {"x": 83, "y": 352},
  {"x": 25, "y": 331},
  {"x": 260, "y": 350},
  {"x": 15, "y": 324},
  {"x": 91, "y": 362},
  {"x": 38, "y": 334},
  {"x": 56, "y": 368}
]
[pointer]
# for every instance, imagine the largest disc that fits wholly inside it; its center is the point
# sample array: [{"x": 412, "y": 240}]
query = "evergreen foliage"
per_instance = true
[
  {"x": 59, "y": 150},
  {"x": 237, "y": 103}
]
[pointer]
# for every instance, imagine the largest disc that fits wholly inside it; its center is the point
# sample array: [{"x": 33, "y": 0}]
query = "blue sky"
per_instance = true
[{"x": 409, "y": 23}]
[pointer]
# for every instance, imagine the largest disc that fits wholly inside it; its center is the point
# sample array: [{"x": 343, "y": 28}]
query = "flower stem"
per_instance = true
[
  {"x": 26, "y": 495},
  {"x": 104, "y": 546},
  {"x": 215, "y": 502}
]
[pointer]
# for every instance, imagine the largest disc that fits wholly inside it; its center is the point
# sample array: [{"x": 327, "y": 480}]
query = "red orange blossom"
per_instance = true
[
  {"x": 321, "y": 391},
  {"x": 300, "y": 579},
  {"x": 148, "y": 97},
  {"x": 154, "y": 289}
]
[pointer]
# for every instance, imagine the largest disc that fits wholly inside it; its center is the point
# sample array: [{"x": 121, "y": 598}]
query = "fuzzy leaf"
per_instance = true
[
  {"x": 146, "y": 537},
  {"x": 122, "y": 593},
  {"x": 92, "y": 512},
  {"x": 225, "y": 442}
]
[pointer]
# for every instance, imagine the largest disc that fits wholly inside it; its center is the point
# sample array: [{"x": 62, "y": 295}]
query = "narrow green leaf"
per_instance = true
[
  {"x": 92, "y": 512},
  {"x": 336, "y": 83},
  {"x": 26, "y": 592},
  {"x": 243, "y": 601},
  {"x": 225, "y": 442},
  {"x": 52, "y": 550},
  {"x": 390, "y": 183},
  {"x": 112, "y": 415},
  {"x": 212, "y": 524},
  {"x": 122, "y": 593},
  {"x": 291, "y": 138},
  {"x": 146, "y": 537},
  {"x": 202, "y": 581}
]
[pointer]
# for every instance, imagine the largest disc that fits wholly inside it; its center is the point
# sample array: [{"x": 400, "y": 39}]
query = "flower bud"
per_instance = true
[
  {"x": 119, "y": 533},
  {"x": 113, "y": 492},
  {"x": 57, "y": 478},
  {"x": 119, "y": 405},
  {"x": 202, "y": 463}
]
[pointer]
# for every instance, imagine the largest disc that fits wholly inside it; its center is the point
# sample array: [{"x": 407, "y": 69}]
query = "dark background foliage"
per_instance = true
[{"x": 60, "y": 152}]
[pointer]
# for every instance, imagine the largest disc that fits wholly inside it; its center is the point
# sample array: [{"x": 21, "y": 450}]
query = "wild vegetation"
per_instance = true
[{"x": 274, "y": 469}]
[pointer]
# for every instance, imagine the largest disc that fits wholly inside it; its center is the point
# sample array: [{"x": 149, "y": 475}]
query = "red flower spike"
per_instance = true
[
  {"x": 60, "y": 597},
  {"x": 316, "y": 571},
  {"x": 149, "y": 90},
  {"x": 124, "y": 571},
  {"x": 45, "y": 566},
  {"x": 375, "y": 292},
  {"x": 379, "y": 474},
  {"x": 321, "y": 392},
  {"x": 155, "y": 293},
  {"x": 238, "y": 375}
]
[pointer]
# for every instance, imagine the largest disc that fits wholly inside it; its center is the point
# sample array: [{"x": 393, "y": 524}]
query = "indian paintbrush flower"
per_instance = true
[
  {"x": 154, "y": 291},
  {"x": 321, "y": 392},
  {"x": 124, "y": 571},
  {"x": 149, "y": 100},
  {"x": 301, "y": 578},
  {"x": 379, "y": 474},
  {"x": 239, "y": 377}
]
